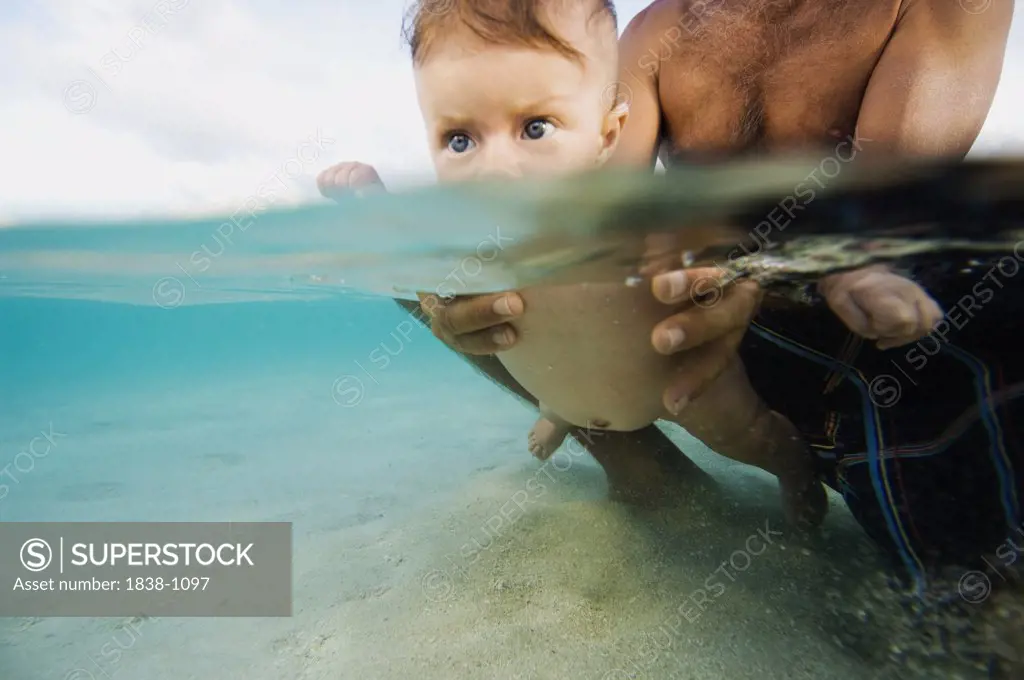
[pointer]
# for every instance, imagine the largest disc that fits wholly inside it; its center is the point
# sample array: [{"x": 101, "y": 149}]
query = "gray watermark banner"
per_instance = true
[{"x": 217, "y": 569}]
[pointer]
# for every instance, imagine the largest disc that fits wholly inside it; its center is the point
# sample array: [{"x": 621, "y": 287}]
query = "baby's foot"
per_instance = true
[
  {"x": 879, "y": 304},
  {"x": 545, "y": 437}
]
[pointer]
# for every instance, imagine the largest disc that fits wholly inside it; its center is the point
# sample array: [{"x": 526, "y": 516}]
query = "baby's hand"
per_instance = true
[
  {"x": 879, "y": 304},
  {"x": 342, "y": 178}
]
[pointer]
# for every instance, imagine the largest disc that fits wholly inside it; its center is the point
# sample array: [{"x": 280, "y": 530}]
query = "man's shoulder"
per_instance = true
[
  {"x": 726, "y": 24},
  {"x": 666, "y": 25},
  {"x": 661, "y": 15},
  {"x": 951, "y": 19}
]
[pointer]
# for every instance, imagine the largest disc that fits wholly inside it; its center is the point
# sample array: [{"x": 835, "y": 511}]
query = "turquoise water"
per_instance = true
[
  {"x": 296, "y": 398},
  {"x": 232, "y": 412},
  {"x": 155, "y": 381},
  {"x": 217, "y": 413}
]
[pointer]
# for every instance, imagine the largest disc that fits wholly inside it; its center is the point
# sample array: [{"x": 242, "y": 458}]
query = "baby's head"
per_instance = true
[{"x": 516, "y": 87}]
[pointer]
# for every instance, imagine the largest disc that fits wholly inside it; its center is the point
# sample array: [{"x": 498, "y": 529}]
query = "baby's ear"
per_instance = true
[{"x": 611, "y": 131}]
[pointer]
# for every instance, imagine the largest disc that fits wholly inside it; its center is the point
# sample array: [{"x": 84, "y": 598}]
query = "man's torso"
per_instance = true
[{"x": 749, "y": 76}]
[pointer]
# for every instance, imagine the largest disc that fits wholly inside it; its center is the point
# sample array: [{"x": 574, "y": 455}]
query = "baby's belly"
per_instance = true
[{"x": 585, "y": 351}]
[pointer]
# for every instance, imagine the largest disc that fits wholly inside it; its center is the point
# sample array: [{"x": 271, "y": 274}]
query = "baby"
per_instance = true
[{"x": 521, "y": 87}]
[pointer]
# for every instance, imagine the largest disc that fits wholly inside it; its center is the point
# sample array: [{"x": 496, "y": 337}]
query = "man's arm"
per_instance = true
[
  {"x": 933, "y": 86},
  {"x": 705, "y": 339},
  {"x": 638, "y": 87}
]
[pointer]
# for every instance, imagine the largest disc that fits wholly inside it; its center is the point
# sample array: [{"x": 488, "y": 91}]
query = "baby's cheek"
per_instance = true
[
  {"x": 569, "y": 152},
  {"x": 448, "y": 171}
]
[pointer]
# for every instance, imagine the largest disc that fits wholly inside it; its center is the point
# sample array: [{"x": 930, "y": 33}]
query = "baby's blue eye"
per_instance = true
[
  {"x": 537, "y": 128},
  {"x": 459, "y": 143}
]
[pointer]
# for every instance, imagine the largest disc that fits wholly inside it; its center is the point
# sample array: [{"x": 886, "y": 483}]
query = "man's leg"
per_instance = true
[{"x": 643, "y": 467}]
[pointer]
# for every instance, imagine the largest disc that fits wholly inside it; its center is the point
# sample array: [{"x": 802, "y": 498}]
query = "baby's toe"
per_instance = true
[{"x": 535, "y": 447}]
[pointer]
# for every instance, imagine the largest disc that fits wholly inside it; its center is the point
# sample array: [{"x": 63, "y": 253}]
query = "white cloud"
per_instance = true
[
  {"x": 195, "y": 112},
  {"x": 200, "y": 113}
]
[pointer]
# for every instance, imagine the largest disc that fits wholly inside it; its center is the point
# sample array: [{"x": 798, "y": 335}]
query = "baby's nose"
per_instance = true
[
  {"x": 499, "y": 161},
  {"x": 500, "y": 171}
]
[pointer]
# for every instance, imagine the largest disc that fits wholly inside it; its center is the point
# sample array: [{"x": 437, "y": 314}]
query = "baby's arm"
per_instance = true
[
  {"x": 338, "y": 179},
  {"x": 879, "y": 304}
]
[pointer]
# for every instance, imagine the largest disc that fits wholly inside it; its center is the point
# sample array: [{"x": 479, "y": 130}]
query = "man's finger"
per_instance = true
[
  {"x": 462, "y": 315},
  {"x": 489, "y": 341},
  {"x": 661, "y": 254},
  {"x": 700, "y": 367},
  {"x": 678, "y": 286},
  {"x": 721, "y": 311}
]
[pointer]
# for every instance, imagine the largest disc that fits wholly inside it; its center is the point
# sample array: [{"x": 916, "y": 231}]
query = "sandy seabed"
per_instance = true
[{"x": 429, "y": 544}]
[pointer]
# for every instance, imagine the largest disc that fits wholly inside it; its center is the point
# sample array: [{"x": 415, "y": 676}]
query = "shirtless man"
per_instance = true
[{"x": 722, "y": 78}]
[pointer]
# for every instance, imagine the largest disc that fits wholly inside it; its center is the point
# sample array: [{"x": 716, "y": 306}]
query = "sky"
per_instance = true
[{"x": 115, "y": 107}]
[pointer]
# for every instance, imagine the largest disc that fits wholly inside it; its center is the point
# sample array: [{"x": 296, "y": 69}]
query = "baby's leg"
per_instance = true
[
  {"x": 548, "y": 433},
  {"x": 731, "y": 419}
]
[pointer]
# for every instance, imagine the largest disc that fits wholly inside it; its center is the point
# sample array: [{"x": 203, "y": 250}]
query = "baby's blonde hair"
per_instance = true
[{"x": 503, "y": 22}]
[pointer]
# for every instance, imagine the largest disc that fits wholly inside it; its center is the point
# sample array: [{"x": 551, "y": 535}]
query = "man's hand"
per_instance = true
[
  {"x": 343, "y": 178},
  {"x": 473, "y": 324},
  {"x": 709, "y": 332}
]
